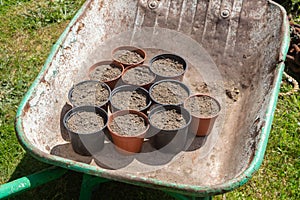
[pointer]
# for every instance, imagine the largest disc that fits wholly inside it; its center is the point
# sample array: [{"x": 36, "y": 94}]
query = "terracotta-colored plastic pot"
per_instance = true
[
  {"x": 86, "y": 144},
  {"x": 127, "y": 144},
  {"x": 173, "y": 57},
  {"x": 137, "y": 50},
  {"x": 112, "y": 82},
  {"x": 200, "y": 125},
  {"x": 145, "y": 85}
]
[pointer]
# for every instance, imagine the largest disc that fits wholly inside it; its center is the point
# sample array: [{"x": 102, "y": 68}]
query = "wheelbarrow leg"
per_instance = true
[
  {"x": 183, "y": 197},
  {"x": 88, "y": 184}
]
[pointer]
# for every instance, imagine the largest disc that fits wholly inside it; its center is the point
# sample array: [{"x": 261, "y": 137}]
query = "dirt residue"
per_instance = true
[
  {"x": 128, "y": 57},
  {"x": 203, "y": 106},
  {"x": 168, "y": 120},
  {"x": 169, "y": 93},
  {"x": 233, "y": 93},
  {"x": 106, "y": 72},
  {"x": 140, "y": 75},
  {"x": 85, "y": 122},
  {"x": 167, "y": 67},
  {"x": 89, "y": 93},
  {"x": 129, "y": 124},
  {"x": 135, "y": 100},
  {"x": 200, "y": 87}
]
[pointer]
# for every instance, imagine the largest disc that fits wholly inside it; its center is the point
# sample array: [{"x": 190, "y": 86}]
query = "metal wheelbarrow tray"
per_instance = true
[{"x": 243, "y": 42}]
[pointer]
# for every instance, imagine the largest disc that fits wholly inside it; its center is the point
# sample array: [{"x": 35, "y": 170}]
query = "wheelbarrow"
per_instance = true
[{"x": 236, "y": 48}]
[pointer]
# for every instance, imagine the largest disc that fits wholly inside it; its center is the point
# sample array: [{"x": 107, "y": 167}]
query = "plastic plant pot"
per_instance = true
[
  {"x": 140, "y": 75},
  {"x": 168, "y": 66},
  {"x": 169, "y": 92},
  {"x": 131, "y": 97},
  {"x": 109, "y": 76},
  {"x": 126, "y": 143},
  {"x": 90, "y": 93},
  {"x": 84, "y": 142},
  {"x": 168, "y": 139},
  {"x": 198, "y": 104},
  {"x": 129, "y": 55}
]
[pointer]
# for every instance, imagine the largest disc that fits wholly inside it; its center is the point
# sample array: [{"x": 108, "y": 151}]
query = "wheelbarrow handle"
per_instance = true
[{"x": 29, "y": 182}]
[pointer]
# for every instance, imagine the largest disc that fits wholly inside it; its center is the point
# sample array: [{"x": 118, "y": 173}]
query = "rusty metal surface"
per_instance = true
[{"x": 243, "y": 38}]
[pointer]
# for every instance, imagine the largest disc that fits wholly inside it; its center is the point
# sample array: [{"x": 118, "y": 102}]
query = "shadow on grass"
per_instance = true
[
  {"x": 66, "y": 187},
  {"x": 69, "y": 185},
  {"x": 117, "y": 190}
]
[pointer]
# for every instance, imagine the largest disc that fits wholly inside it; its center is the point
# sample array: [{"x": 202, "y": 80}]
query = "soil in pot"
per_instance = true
[
  {"x": 168, "y": 120},
  {"x": 134, "y": 100},
  {"x": 128, "y": 125},
  {"x": 106, "y": 72},
  {"x": 167, "y": 67},
  {"x": 203, "y": 106},
  {"x": 85, "y": 122},
  {"x": 169, "y": 93},
  {"x": 139, "y": 75},
  {"x": 89, "y": 93},
  {"x": 128, "y": 57}
]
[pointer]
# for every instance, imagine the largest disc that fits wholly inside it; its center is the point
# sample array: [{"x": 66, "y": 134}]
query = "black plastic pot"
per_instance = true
[
  {"x": 174, "y": 57},
  {"x": 169, "y": 141},
  {"x": 182, "y": 85},
  {"x": 102, "y": 105},
  {"x": 130, "y": 88},
  {"x": 86, "y": 144}
]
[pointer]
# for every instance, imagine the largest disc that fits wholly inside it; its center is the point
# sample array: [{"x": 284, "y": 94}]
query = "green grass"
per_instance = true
[
  {"x": 28, "y": 29},
  {"x": 292, "y": 6},
  {"x": 23, "y": 51}
]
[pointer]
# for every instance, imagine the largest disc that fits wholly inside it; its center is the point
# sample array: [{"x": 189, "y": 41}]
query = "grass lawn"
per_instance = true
[{"x": 28, "y": 29}]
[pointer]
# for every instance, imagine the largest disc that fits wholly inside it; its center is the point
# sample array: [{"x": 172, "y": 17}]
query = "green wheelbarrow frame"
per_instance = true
[
  {"x": 89, "y": 182},
  {"x": 48, "y": 175}
]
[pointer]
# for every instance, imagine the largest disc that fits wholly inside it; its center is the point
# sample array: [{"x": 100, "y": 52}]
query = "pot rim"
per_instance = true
[
  {"x": 129, "y": 48},
  {"x": 203, "y": 94},
  {"x": 134, "y": 87},
  {"x": 168, "y": 55},
  {"x": 106, "y": 62},
  {"x": 85, "y": 81},
  {"x": 74, "y": 110},
  {"x": 185, "y": 87},
  {"x": 158, "y": 108},
  {"x": 124, "y": 112},
  {"x": 134, "y": 66}
]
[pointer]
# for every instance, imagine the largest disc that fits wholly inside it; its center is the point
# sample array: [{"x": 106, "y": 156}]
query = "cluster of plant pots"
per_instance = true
[{"x": 151, "y": 102}]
